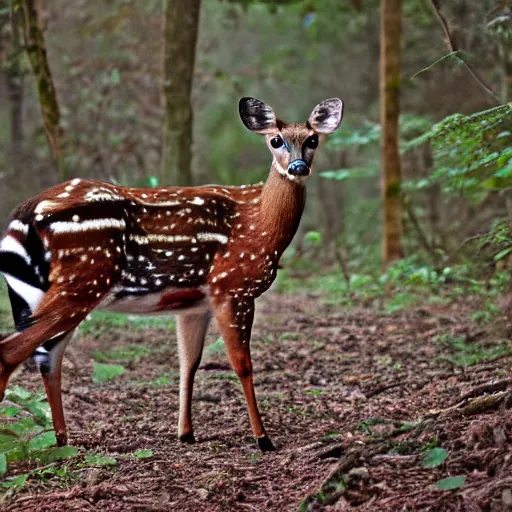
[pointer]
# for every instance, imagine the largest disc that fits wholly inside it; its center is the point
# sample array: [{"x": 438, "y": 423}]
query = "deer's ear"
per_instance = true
[
  {"x": 326, "y": 116},
  {"x": 257, "y": 116}
]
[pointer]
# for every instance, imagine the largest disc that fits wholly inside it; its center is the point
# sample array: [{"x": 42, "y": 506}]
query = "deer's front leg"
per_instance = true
[
  {"x": 191, "y": 329},
  {"x": 235, "y": 317}
]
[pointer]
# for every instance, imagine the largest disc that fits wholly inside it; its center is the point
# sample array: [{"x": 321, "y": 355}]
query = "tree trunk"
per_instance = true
[
  {"x": 15, "y": 75},
  {"x": 180, "y": 36},
  {"x": 391, "y": 20},
  {"x": 36, "y": 50},
  {"x": 507, "y": 73}
]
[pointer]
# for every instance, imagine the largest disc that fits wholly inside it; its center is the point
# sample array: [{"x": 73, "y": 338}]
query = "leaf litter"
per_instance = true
[{"x": 369, "y": 411}]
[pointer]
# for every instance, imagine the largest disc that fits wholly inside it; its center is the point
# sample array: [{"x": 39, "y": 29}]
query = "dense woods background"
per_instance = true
[{"x": 107, "y": 62}]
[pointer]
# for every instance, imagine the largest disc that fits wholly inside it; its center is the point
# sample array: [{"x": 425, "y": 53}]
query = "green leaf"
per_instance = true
[
  {"x": 16, "y": 394},
  {"x": 115, "y": 77},
  {"x": 19, "y": 481},
  {"x": 3, "y": 464},
  {"x": 23, "y": 427},
  {"x": 313, "y": 237},
  {"x": 452, "y": 482},
  {"x": 153, "y": 181},
  {"x": 10, "y": 412},
  {"x": 17, "y": 454},
  {"x": 434, "y": 457},
  {"x": 15, "y": 482},
  {"x": 42, "y": 441},
  {"x": 505, "y": 172},
  {"x": 144, "y": 454},
  {"x": 8, "y": 441},
  {"x": 502, "y": 254},
  {"x": 339, "y": 175},
  {"x": 106, "y": 372},
  {"x": 216, "y": 348},
  {"x": 61, "y": 453},
  {"x": 100, "y": 460},
  {"x": 354, "y": 172},
  {"x": 40, "y": 411}
]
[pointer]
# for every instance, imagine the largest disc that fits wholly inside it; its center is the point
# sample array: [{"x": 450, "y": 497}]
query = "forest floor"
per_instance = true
[{"x": 352, "y": 398}]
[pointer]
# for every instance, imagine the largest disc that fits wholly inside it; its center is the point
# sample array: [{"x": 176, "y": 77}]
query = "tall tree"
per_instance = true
[
  {"x": 390, "y": 39},
  {"x": 14, "y": 75},
  {"x": 36, "y": 50},
  {"x": 180, "y": 37}
]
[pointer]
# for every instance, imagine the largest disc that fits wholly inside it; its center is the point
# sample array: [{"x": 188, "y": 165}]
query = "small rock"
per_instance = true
[
  {"x": 203, "y": 493},
  {"x": 506, "y": 497},
  {"x": 360, "y": 473},
  {"x": 93, "y": 477},
  {"x": 342, "y": 505}
]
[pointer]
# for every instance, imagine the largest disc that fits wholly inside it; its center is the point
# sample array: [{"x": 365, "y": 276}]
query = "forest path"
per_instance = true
[{"x": 341, "y": 392}]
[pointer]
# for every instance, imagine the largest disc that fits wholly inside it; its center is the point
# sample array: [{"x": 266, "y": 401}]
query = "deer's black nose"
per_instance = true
[{"x": 298, "y": 168}]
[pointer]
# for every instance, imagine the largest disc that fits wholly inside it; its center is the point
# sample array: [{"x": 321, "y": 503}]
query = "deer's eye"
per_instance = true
[
  {"x": 276, "y": 142},
  {"x": 311, "y": 142}
]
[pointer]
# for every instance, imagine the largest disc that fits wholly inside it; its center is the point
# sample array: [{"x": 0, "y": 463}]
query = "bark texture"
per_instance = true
[
  {"x": 36, "y": 50},
  {"x": 391, "y": 30},
  {"x": 14, "y": 75},
  {"x": 180, "y": 37}
]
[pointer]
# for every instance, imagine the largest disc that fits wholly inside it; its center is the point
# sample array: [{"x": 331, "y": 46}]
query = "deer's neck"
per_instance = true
[{"x": 282, "y": 204}]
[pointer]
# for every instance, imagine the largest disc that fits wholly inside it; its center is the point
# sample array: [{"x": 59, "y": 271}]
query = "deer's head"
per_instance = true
[{"x": 292, "y": 145}]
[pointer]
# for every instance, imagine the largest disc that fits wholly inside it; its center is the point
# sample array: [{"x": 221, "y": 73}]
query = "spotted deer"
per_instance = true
[{"x": 196, "y": 251}]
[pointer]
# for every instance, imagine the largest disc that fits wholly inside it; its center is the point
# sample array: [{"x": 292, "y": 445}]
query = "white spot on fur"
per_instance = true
[
  {"x": 102, "y": 194},
  {"x": 17, "y": 225},
  {"x": 212, "y": 237},
  {"x": 87, "y": 225},
  {"x": 144, "y": 240},
  {"x": 44, "y": 206}
]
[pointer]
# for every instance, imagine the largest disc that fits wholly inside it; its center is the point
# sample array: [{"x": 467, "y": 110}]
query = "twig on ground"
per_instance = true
[
  {"x": 488, "y": 387},
  {"x": 476, "y": 406},
  {"x": 381, "y": 389}
]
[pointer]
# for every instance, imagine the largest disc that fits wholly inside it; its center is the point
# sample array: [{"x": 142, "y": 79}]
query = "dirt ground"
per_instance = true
[{"x": 351, "y": 399}]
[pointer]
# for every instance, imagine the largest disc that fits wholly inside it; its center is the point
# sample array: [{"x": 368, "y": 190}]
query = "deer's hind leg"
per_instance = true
[
  {"x": 54, "y": 319},
  {"x": 47, "y": 356},
  {"x": 191, "y": 330},
  {"x": 49, "y": 359}
]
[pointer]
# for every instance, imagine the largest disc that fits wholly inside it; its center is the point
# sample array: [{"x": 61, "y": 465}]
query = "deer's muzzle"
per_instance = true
[{"x": 298, "y": 168}]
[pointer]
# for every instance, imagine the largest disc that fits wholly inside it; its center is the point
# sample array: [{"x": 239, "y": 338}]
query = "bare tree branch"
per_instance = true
[{"x": 453, "y": 48}]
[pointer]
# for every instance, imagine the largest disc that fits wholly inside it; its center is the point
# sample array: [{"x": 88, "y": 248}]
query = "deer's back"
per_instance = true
[{"x": 119, "y": 245}]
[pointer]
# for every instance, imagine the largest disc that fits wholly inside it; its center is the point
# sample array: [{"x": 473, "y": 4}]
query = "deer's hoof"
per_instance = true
[
  {"x": 62, "y": 438},
  {"x": 188, "y": 438},
  {"x": 265, "y": 444}
]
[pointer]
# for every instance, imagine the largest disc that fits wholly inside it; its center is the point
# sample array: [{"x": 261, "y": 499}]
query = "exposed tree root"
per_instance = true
[
  {"x": 488, "y": 387},
  {"x": 477, "y": 406}
]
